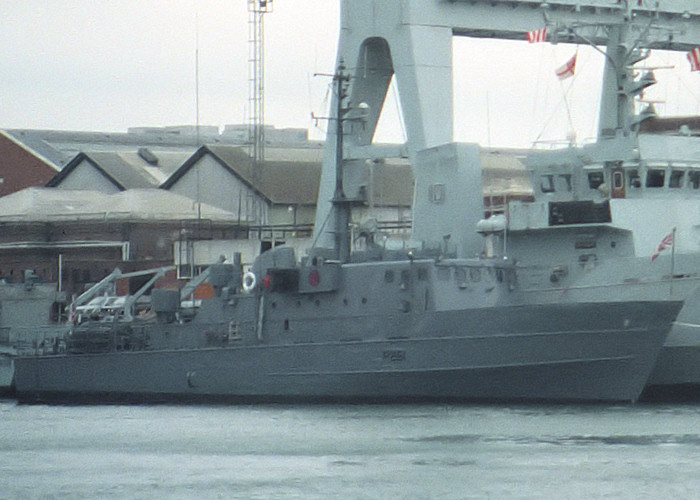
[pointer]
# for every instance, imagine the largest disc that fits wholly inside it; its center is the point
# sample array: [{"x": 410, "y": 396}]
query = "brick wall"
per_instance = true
[{"x": 20, "y": 169}]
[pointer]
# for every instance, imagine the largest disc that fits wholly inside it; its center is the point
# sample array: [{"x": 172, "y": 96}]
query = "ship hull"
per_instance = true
[
  {"x": 560, "y": 352},
  {"x": 676, "y": 375}
]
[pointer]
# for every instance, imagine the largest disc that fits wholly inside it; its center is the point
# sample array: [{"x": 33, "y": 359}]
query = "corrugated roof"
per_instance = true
[
  {"x": 131, "y": 170},
  {"x": 281, "y": 182},
  {"x": 61, "y": 146},
  {"x": 49, "y": 204},
  {"x": 291, "y": 181},
  {"x": 296, "y": 182},
  {"x": 127, "y": 170},
  {"x": 38, "y": 146},
  {"x": 127, "y": 174}
]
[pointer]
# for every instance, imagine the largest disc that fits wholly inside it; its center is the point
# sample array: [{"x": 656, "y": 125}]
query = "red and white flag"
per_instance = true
[
  {"x": 567, "y": 69},
  {"x": 694, "y": 58},
  {"x": 665, "y": 244},
  {"x": 537, "y": 35}
]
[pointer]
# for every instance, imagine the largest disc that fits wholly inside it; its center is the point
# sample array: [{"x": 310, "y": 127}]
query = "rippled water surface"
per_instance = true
[{"x": 426, "y": 451}]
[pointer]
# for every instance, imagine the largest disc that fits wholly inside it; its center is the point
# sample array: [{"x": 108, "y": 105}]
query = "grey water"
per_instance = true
[{"x": 349, "y": 451}]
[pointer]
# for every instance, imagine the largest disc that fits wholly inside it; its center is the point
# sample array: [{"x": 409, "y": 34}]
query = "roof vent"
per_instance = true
[{"x": 148, "y": 156}]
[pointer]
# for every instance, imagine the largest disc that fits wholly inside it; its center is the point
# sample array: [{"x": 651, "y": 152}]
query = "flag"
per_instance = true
[
  {"x": 537, "y": 35},
  {"x": 666, "y": 243},
  {"x": 567, "y": 70},
  {"x": 694, "y": 58}
]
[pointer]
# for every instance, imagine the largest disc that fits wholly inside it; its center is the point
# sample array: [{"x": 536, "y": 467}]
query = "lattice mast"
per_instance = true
[{"x": 256, "y": 81}]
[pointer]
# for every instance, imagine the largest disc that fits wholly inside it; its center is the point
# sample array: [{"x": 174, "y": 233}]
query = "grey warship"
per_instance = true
[
  {"x": 469, "y": 310},
  {"x": 642, "y": 172}
]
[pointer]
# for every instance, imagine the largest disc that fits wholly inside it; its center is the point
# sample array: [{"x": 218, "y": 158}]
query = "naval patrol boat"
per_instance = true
[{"x": 462, "y": 319}]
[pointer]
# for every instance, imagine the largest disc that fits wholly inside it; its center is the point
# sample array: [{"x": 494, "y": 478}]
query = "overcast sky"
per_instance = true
[{"x": 107, "y": 65}]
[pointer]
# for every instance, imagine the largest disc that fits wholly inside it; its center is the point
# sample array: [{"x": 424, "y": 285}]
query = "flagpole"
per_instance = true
[
  {"x": 673, "y": 255},
  {"x": 673, "y": 251}
]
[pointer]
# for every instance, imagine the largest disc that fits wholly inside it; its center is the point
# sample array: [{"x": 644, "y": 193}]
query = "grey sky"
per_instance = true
[{"x": 108, "y": 65}]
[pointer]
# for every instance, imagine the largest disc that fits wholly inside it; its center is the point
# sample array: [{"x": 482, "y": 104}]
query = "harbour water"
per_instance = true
[{"x": 349, "y": 451}]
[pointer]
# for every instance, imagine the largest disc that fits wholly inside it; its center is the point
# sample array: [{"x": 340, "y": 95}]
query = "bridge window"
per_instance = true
[
  {"x": 595, "y": 179},
  {"x": 676, "y": 179},
  {"x": 547, "y": 183},
  {"x": 655, "y": 178},
  {"x": 694, "y": 179},
  {"x": 565, "y": 181},
  {"x": 633, "y": 178}
]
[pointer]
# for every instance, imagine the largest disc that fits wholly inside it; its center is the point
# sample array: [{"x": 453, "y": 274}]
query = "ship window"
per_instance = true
[
  {"x": 655, "y": 178},
  {"x": 618, "y": 180},
  {"x": 422, "y": 274},
  {"x": 595, "y": 179},
  {"x": 565, "y": 182},
  {"x": 547, "y": 183},
  {"x": 694, "y": 179},
  {"x": 389, "y": 276},
  {"x": 676, "y": 179},
  {"x": 436, "y": 193},
  {"x": 634, "y": 180},
  {"x": 460, "y": 275}
]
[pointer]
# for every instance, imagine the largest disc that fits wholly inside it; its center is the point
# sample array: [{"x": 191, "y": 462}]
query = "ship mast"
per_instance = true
[
  {"x": 617, "y": 119},
  {"x": 341, "y": 204}
]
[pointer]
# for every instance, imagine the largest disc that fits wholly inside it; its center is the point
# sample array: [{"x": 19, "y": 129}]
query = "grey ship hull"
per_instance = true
[
  {"x": 676, "y": 375},
  {"x": 555, "y": 352}
]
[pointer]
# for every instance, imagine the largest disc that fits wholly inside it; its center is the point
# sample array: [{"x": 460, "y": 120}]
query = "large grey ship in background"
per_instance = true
[
  {"x": 642, "y": 173},
  {"x": 472, "y": 308}
]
